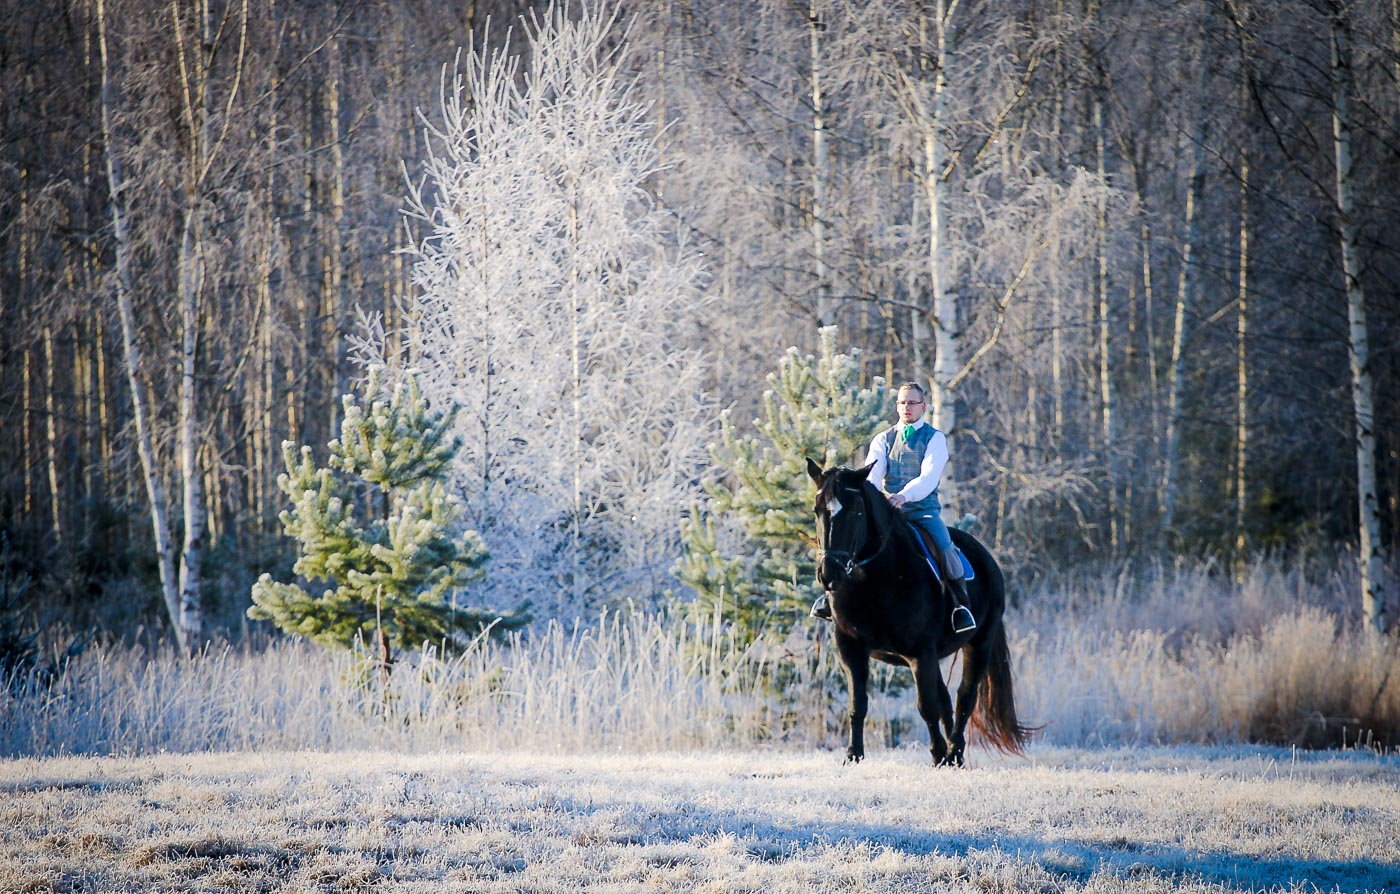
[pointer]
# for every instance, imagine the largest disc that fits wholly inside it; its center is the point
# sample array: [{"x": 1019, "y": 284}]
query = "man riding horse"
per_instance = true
[{"x": 907, "y": 462}]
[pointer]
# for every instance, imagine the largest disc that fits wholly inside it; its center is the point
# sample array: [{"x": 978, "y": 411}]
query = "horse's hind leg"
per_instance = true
[
  {"x": 935, "y": 705},
  {"x": 974, "y": 669}
]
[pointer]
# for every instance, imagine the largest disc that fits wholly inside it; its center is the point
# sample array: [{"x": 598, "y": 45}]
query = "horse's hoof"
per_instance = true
[{"x": 854, "y": 758}]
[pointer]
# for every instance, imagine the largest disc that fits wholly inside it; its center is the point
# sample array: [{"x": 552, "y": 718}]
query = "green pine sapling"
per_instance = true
[{"x": 378, "y": 528}]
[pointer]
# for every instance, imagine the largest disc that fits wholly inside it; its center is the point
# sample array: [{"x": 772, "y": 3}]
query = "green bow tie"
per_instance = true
[{"x": 908, "y": 433}]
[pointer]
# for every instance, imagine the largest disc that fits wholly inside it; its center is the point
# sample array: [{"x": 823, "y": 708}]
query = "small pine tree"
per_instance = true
[
  {"x": 749, "y": 550},
  {"x": 378, "y": 527}
]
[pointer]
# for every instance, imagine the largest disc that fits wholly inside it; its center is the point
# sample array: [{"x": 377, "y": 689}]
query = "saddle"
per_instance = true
[{"x": 929, "y": 548}]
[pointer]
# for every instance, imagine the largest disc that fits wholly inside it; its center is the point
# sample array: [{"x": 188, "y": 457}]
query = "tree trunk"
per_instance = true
[
  {"x": 1187, "y": 284},
  {"x": 192, "y": 552},
  {"x": 1185, "y": 293},
  {"x": 488, "y": 382},
  {"x": 26, "y": 415},
  {"x": 1242, "y": 376},
  {"x": 947, "y": 331},
  {"x": 1373, "y": 584},
  {"x": 155, "y": 491},
  {"x": 819, "y": 172},
  {"x": 333, "y": 261},
  {"x": 51, "y": 440},
  {"x": 26, "y": 436},
  {"x": 104, "y": 413},
  {"x": 576, "y": 387},
  {"x": 1105, "y": 343},
  {"x": 1395, "y": 42},
  {"x": 194, "y": 83},
  {"x": 1057, "y": 363}
]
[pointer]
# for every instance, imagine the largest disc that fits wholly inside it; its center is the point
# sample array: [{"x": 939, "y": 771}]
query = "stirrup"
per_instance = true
[
  {"x": 821, "y": 609},
  {"x": 963, "y": 621}
]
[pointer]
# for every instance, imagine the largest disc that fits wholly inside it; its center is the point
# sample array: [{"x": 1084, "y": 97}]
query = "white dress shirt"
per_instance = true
[{"x": 930, "y": 468}]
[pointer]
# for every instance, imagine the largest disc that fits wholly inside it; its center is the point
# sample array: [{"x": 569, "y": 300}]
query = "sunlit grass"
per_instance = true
[
  {"x": 1242, "y": 819},
  {"x": 1160, "y": 655}
]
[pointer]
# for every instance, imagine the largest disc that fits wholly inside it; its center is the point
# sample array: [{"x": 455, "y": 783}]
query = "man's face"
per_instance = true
[{"x": 910, "y": 405}]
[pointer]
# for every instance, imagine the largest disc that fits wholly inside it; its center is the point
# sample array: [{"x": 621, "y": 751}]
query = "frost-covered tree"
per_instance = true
[
  {"x": 749, "y": 548},
  {"x": 377, "y": 526},
  {"x": 553, "y": 300}
]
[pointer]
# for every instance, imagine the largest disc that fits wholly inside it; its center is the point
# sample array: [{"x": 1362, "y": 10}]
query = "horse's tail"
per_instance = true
[{"x": 995, "y": 719}]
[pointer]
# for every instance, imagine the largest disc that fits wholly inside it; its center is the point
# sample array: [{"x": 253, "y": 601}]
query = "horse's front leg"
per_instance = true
[
  {"x": 935, "y": 705},
  {"x": 855, "y": 657}
]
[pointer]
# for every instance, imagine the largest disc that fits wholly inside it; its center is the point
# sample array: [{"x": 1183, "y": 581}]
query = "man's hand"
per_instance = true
[{"x": 898, "y": 500}]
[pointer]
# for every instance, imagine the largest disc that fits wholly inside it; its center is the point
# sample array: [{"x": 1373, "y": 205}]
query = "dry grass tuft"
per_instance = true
[
  {"x": 1152, "y": 655},
  {"x": 1189, "y": 657}
]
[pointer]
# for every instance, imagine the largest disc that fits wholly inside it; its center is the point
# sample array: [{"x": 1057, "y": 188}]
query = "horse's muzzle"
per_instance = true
[{"x": 832, "y": 572}]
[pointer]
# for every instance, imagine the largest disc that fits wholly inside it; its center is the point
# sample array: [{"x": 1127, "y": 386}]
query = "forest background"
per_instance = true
[{"x": 1126, "y": 243}]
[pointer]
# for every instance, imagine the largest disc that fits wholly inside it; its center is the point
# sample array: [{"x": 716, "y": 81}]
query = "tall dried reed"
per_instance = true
[
  {"x": 1152, "y": 655},
  {"x": 1185, "y": 654}
]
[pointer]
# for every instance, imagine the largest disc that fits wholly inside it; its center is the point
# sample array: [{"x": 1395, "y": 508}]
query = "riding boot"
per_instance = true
[
  {"x": 821, "y": 608},
  {"x": 962, "y": 618}
]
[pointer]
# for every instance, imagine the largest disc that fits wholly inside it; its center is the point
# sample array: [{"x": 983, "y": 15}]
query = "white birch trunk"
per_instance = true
[
  {"x": 51, "y": 440},
  {"x": 947, "y": 331},
  {"x": 1105, "y": 342},
  {"x": 1242, "y": 376},
  {"x": 141, "y": 410},
  {"x": 1185, "y": 293},
  {"x": 1395, "y": 42},
  {"x": 333, "y": 261},
  {"x": 194, "y": 67},
  {"x": 819, "y": 173},
  {"x": 192, "y": 551},
  {"x": 1187, "y": 284},
  {"x": 26, "y": 405},
  {"x": 1373, "y": 584},
  {"x": 26, "y": 436},
  {"x": 576, "y": 368}
]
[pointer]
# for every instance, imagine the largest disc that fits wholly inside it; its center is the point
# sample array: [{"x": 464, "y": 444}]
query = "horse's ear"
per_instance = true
[
  {"x": 814, "y": 471},
  {"x": 865, "y": 470}
]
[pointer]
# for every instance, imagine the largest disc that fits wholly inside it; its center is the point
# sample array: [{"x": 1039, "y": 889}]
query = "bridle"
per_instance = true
[{"x": 857, "y": 525}]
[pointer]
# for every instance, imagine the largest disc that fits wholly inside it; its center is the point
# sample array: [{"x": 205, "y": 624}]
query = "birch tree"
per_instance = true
[
  {"x": 1372, "y": 557},
  {"x": 201, "y": 35},
  {"x": 134, "y": 356},
  {"x": 175, "y": 130},
  {"x": 816, "y": 26},
  {"x": 553, "y": 299},
  {"x": 1239, "y": 13},
  {"x": 1187, "y": 286},
  {"x": 997, "y": 226}
]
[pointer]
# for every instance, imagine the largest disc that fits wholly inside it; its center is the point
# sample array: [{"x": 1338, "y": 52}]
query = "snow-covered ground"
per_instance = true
[{"x": 1169, "y": 819}]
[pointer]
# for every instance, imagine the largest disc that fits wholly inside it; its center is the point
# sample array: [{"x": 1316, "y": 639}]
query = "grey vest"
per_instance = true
[{"x": 905, "y": 461}]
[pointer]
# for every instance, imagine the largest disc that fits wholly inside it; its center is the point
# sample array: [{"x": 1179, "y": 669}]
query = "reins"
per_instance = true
[{"x": 851, "y": 563}]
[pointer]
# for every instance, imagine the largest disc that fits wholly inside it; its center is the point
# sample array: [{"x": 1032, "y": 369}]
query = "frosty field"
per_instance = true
[{"x": 1181, "y": 819}]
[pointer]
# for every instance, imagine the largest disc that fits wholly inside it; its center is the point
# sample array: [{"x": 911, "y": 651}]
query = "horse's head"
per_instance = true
[{"x": 844, "y": 519}]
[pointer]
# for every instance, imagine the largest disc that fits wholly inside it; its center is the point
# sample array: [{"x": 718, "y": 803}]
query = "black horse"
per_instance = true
[{"x": 887, "y": 605}]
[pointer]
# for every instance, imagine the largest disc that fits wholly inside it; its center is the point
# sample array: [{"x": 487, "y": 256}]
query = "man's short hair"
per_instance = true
[{"x": 914, "y": 386}]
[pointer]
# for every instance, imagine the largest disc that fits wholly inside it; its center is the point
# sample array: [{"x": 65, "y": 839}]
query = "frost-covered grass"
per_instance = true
[
  {"x": 1154, "y": 820},
  {"x": 1184, "y": 655},
  {"x": 1158, "y": 656},
  {"x": 623, "y": 683}
]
